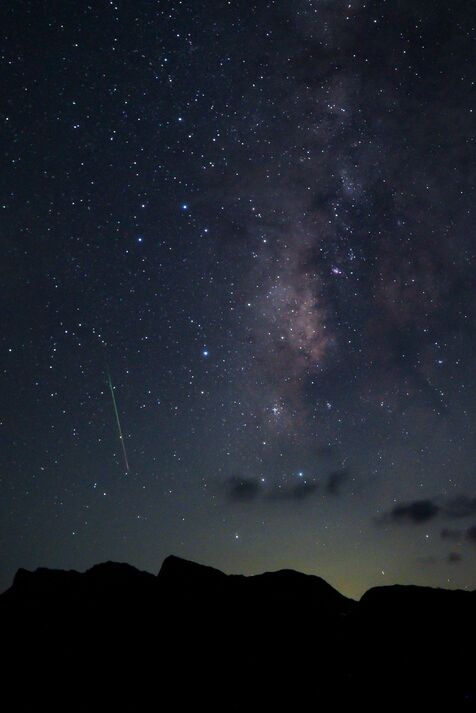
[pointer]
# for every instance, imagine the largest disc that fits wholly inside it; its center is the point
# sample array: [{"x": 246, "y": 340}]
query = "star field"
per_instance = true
[{"x": 259, "y": 220}]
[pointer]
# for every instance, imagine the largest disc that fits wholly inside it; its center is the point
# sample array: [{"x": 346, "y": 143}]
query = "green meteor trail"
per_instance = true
[{"x": 121, "y": 438}]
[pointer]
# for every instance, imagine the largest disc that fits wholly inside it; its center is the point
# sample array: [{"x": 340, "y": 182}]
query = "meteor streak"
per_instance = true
[{"x": 119, "y": 429}]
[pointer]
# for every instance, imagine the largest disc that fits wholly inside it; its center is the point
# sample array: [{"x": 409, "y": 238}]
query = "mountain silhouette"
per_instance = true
[
  {"x": 188, "y": 580},
  {"x": 116, "y": 638}
]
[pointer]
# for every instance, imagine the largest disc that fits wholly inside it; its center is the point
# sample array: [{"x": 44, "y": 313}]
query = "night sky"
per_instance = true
[{"x": 258, "y": 218}]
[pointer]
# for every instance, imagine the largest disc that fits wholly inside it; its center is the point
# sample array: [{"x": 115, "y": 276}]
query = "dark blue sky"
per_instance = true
[{"x": 260, "y": 219}]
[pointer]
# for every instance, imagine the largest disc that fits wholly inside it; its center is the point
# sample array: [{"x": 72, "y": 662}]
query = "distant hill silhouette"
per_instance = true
[{"x": 115, "y": 638}]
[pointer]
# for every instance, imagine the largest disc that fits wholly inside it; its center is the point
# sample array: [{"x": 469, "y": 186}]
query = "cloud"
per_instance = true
[
  {"x": 301, "y": 490},
  {"x": 243, "y": 489},
  {"x": 335, "y": 481},
  {"x": 246, "y": 490},
  {"x": 448, "y": 534},
  {"x": 414, "y": 513},
  {"x": 471, "y": 534},
  {"x": 424, "y": 510},
  {"x": 251, "y": 489}
]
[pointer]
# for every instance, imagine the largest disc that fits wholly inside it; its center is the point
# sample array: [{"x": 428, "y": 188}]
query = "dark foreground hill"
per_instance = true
[{"x": 117, "y": 639}]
